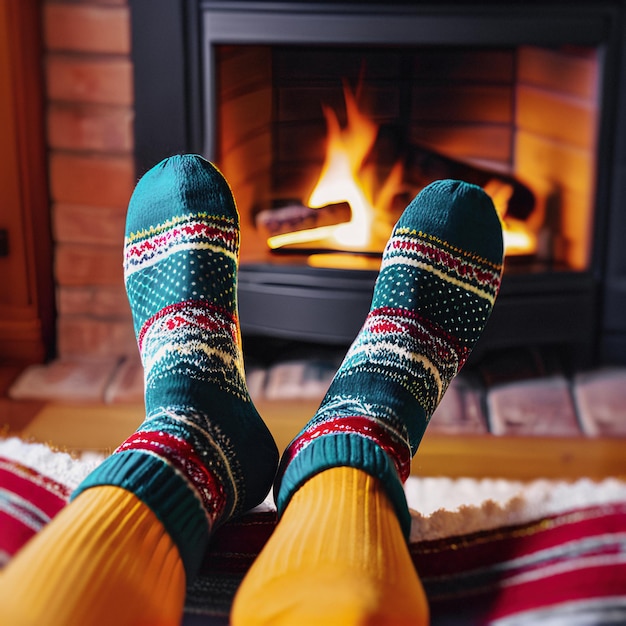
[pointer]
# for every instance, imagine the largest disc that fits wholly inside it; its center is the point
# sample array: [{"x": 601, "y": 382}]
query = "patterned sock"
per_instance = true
[
  {"x": 203, "y": 454},
  {"x": 438, "y": 281},
  {"x": 439, "y": 277}
]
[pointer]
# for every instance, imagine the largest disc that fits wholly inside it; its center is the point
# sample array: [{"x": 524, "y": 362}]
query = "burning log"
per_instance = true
[
  {"x": 425, "y": 165},
  {"x": 357, "y": 214},
  {"x": 295, "y": 217}
]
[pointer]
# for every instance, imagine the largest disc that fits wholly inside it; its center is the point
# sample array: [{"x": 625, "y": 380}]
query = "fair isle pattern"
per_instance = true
[
  {"x": 164, "y": 264},
  {"x": 366, "y": 426},
  {"x": 197, "y": 340},
  {"x": 439, "y": 278},
  {"x": 183, "y": 457},
  {"x": 412, "y": 352},
  {"x": 202, "y": 454},
  {"x": 199, "y": 452},
  {"x": 453, "y": 265},
  {"x": 190, "y": 342},
  {"x": 181, "y": 279},
  {"x": 184, "y": 232}
]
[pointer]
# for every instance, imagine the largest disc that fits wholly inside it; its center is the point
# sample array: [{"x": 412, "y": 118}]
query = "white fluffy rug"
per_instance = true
[{"x": 440, "y": 507}]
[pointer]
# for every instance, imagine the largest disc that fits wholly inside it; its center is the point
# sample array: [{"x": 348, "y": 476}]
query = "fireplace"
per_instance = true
[{"x": 520, "y": 98}]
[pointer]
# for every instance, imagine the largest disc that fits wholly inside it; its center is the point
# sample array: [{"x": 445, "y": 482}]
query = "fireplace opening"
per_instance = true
[
  {"x": 528, "y": 108},
  {"x": 519, "y": 121}
]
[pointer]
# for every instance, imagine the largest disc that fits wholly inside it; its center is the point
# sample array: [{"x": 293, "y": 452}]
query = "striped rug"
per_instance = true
[{"x": 495, "y": 553}]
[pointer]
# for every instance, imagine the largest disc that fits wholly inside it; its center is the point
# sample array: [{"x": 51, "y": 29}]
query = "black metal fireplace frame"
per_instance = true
[{"x": 173, "y": 64}]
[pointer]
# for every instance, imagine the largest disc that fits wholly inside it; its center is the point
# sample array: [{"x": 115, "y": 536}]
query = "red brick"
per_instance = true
[
  {"x": 104, "y": 2},
  {"x": 103, "y": 181},
  {"x": 93, "y": 2},
  {"x": 80, "y": 265},
  {"x": 90, "y": 127},
  {"x": 108, "y": 301},
  {"x": 80, "y": 336},
  {"x": 94, "y": 80},
  {"x": 81, "y": 224},
  {"x": 88, "y": 28},
  {"x": 538, "y": 407},
  {"x": 566, "y": 73}
]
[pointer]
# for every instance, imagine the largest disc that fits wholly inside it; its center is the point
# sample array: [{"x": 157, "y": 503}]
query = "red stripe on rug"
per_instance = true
[{"x": 29, "y": 500}]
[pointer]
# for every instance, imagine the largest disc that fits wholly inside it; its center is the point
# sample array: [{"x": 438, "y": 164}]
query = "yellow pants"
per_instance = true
[{"x": 104, "y": 560}]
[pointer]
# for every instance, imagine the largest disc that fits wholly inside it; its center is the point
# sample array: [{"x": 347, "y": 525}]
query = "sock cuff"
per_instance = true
[
  {"x": 165, "y": 492},
  {"x": 348, "y": 450}
]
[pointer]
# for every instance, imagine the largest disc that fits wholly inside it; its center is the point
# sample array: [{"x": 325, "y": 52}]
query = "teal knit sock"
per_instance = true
[
  {"x": 203, "y": 454},
  {"x": 439, "y": 278}
]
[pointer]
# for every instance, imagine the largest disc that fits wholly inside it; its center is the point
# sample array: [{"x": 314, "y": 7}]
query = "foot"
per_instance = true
[
  {"x": 438, "y": 281},
  {"x": 203, "y": 454}
]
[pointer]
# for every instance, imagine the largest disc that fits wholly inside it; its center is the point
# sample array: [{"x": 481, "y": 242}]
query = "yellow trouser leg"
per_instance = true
[
  {"x": 337, "y": 557},
  {"x": 103, "y": 560}
]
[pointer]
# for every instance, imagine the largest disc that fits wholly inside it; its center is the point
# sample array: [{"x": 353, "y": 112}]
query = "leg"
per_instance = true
[
  {"x": 339, "y": 553},
  {"x": 104, "y": 559},
  {"x": 201, "y": 456}
]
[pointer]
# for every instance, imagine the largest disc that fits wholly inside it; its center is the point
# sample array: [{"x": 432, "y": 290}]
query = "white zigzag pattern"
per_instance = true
[
  {"x": 187, "y": 341},
  {"x": 348, "y": 406},
  {"x": 381, "y": 352}
]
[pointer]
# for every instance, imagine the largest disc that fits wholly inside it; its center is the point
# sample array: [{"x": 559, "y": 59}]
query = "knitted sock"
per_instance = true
[
  {"x": 104, "y": 559},
  {"x": 203, "y": 454},
  {"x": 439, "y": 278}
]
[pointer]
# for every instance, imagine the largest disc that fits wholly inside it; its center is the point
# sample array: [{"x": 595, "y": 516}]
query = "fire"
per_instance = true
[
  {"x": 344, "y": 178},
  {"x": 518, "y": 238}
]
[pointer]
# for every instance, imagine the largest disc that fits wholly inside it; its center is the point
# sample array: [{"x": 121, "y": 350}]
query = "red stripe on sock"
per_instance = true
[
  {"x": 396, "y": 448},
  {"x": 182, "y": 456},
  {"x": 226, "y": 237},
  {"x": 197, "y": 313},
  {"x": 392, "y": 319},
  {"x": 463, "y": 267}
]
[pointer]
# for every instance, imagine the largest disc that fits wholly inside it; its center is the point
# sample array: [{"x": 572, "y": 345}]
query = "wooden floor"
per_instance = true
[{"x": 79, "y": 427}]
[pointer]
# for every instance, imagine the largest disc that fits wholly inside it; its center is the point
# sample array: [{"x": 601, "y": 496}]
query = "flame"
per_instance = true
[
  {"x": 344, "y": 179},
  {"x": 518, "y": 238}
]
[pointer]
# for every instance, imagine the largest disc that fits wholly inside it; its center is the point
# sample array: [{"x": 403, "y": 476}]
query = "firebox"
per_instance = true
[{"x": 327, "y": 118}]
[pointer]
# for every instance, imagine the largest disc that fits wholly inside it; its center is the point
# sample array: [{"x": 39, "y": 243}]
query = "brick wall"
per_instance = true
[{"x": 89, "y": 89}]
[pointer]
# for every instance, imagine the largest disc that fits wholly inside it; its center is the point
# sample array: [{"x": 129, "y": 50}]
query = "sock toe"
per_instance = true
[
  {"x": 177, "y": 185},
  {"x": 459, "y": 213}
]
